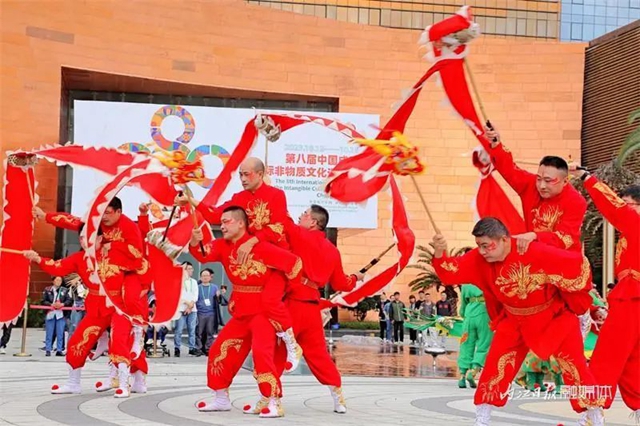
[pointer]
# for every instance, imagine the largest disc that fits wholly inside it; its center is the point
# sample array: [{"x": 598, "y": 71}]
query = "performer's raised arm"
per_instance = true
[
  {"x": 211, "y": 249},
  {"x": 520, "y": 180},
  {"x": 454, "y": 270},
  {"x": 616, "y": 210},
  {"x": 61, "y": 267}
]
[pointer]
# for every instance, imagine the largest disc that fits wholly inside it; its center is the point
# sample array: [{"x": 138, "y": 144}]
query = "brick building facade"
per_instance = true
[{"x": 532, "y": 89}]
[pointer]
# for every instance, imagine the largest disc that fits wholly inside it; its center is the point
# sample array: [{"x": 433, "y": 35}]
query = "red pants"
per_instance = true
[
  {"x": 507, "y": 352},
  {"x": 231, "y": 348},
  {"x": 90, "y": 328},
  {"x": 275, "y": 310},
  {"x": 129, "y": 295},
  {"x": 309, "y": 332},
  {"x": 616, "y": 357},
  {"x": 121, "y": 336}
]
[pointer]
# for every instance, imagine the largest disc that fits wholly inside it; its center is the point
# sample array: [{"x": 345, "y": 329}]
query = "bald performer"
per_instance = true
[{"x": 266, "y": 208}]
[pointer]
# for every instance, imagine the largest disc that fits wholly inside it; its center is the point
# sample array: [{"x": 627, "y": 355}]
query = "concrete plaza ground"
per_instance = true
[{"x": 407, "y": 390}]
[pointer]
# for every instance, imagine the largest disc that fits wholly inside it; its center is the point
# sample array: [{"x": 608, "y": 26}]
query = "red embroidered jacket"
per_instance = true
[
  {"x": 321, "y": 262},
  {"x": 524, "y": 288},
  {"x": 266, "y": 262},
  {"x": 266, "y": 209},
  {"x": 627, "y": 221},
  {"x": 556, "y": 221}
]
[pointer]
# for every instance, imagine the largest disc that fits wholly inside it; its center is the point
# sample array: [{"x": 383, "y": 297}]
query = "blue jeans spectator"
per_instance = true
[
  {"x": 74, "y": 320},
  {"x": 190, "y": 321},
  {"x": 389, "y": 330},
  {"x": 54, "y": 326}
]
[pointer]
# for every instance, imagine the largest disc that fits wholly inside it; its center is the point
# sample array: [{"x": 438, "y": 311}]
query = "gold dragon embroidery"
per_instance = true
[
  {"x": 276, "y": 325},
  {"x": 519, "y": 281},
  {"x": 86, "y": 336},
  {"x": 491, "y": 389},
  {"x": 572, "y": 284},
  {"x": 271, "y": 380},
  {"x": 65, "y": 218},
  {"x": 246, "y": 269},
  {"x": 216, "y": 367},
  {"x": 119, "y": 359},
  {"x": 113, "y": 235},
  {"x": 52, "y": 262},
  {"x": 134, "y": 251},
  {"x": 278, "y": 228},
  {"x": 449, "y": 266},
  {"x": 107, "y": 269},
  {"x": 259, "y": 215},
  {"x": 566, "y": 239},
  {"x": 569, "y": 368},
  {"x": 620, "y": 248},
  {"x": 295, "y": 271},
  {"x": 611, "y": 196},
  {"x": 546, "y": 220}
]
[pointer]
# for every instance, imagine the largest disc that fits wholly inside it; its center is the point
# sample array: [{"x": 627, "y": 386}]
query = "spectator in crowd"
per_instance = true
[
  {"x": 162, "y": 330},
  {"x": 382, "y": 317},
  {"x": 77, "y": 292},
  {"x": 413, "y": 307},
  {"x": 388, "y": 318},
  {"x": 428, "y": 308},
  {"x": 397, "y": 315},
  {"x": 187, "y": 312},
  {"x": 443, "y": 309},
  {"x": 57, "y": 297},
  {"x": 6, "y": 335},
  {"x": 221, "y": 301},
  {"x": 207, "y": 315},
  {"x": 421, "y": 299}
]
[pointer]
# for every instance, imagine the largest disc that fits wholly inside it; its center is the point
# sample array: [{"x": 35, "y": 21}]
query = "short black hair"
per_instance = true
[
  {"x": 555, "y": 162},
  {"x": 207, "y": 270},
  {"x": 631, "y": 191},
  {"x": 412, "y": 297},
  {"x": 186, "y": 262},
  {"x": 115, "y": 204},
  {"x": 239, "y": 213},
  {"x": 321, "y": 215},
  {"x": 490, "y": 227},
  {"x": 397, "y": 293},
  {"x": 421, "y": 292},
  {"x": 223, "y": 286}
]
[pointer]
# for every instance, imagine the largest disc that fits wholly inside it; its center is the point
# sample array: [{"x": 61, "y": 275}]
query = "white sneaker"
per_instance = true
[
  {"x": 339, "y": 404},
  {"x": 102, "y": 346},
  {"x": 592, "y": 417},
  {"x": 3, "y": 351},
  {"x": 257, "y": 407},
  {"x": 220, "y": 402},
  {"x": 72, "y": 386},
  {"x": 123, "y": 379},
  {"x": 136, "y": 347},
  {"x": 111, "y": 382},
  {"x": 483, "y": 415},
  {"x": 272, "y": 410},
  {"x": 139, "y": 383},
  {"x": 294, "y": 351}
]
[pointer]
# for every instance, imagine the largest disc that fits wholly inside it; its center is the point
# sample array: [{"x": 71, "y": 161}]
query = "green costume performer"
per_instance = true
[{"x": 476, "y": 337}]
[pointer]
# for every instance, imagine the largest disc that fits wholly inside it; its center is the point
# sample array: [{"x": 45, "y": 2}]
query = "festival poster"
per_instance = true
[{"x": 298, "y": 162}]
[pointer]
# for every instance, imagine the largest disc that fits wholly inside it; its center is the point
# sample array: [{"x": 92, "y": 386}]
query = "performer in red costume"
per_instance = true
[
  {"x": 94, "y": 324},
  {"x": 124, "y": 273},
  {"x": 527, "y": 313},
  {"x": 249, "y": 328},
  {"x": 266, "y": 207},
  {"x": 321, "y": 264},
  {"x": 616, "y": 357},
  {"x": 553, "y": 208}
]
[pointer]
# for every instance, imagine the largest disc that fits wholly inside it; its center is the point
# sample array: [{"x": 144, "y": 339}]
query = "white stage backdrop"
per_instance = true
[{"x": 298, "y": 163}]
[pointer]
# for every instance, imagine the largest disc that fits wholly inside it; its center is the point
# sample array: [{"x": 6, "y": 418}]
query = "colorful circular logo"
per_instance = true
[
  {"x": 181, "y": 142},
  {"x": 172, "y": 111}
]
